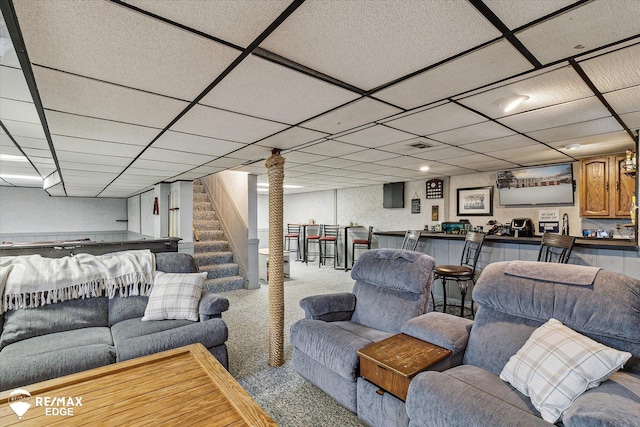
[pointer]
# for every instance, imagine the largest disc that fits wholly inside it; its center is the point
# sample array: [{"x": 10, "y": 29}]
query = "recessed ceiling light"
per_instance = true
[
  {"x": 572, "y": 146},
  {"x": 424, "y": 168},
  {"x": 510, "y": 103}
]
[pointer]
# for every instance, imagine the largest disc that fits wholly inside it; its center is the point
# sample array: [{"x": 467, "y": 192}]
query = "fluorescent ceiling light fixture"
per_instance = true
[
  {"x": 26, "y": 177},
  {"x": 424, "y": 168},
  {"x": 52, "y": 179},
  {"x": 510, "y": 103},
  {"x": 572, "y": 146},
  {"x": 12, "y": 158}
]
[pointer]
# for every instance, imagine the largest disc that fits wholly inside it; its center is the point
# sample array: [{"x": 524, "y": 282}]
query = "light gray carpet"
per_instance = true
[{"x": 281, "y": 392}]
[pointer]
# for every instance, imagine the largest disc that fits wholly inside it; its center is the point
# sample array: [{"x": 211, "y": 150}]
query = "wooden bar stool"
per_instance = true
[{"x": 330, "y": 235}]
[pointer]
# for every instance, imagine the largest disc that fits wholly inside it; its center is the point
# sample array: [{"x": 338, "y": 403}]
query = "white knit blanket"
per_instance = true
[{"x": 32, "y": 280}]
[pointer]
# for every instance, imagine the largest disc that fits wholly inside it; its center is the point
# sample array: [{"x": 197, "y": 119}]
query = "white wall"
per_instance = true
[{"x": 32, "y": 211}]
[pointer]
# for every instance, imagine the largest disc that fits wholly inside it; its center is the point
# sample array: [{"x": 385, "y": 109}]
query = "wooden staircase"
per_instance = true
[{"x": 211, "y": 250}]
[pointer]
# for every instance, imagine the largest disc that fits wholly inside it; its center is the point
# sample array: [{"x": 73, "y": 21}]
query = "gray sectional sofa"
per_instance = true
[{"x": 53, "y": 340}]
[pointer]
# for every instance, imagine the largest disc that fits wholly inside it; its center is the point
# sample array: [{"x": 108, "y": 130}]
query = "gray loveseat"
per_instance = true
[
  {"x": 58, "y": 339},
  {"x": 605, "y": 308},
  {"x": 392, "y": 286}
]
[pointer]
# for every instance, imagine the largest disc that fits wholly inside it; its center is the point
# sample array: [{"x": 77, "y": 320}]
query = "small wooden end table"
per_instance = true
[{"x": 393, "y": 362}]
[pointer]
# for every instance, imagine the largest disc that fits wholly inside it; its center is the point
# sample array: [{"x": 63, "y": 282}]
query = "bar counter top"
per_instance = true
[{"x": 614, "y": 244}]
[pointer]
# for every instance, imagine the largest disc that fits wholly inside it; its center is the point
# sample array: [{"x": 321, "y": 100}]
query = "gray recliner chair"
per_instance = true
[{"x": 392, "y": 286}]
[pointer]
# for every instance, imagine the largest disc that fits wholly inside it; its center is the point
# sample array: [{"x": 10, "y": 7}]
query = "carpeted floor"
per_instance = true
[{"x": 281, "y": 392}]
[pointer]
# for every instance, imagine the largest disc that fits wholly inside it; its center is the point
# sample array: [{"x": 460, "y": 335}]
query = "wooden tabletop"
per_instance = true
[{"x": 185, "y": 386}]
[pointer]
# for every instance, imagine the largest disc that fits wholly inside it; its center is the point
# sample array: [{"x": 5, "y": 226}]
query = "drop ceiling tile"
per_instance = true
[
  {"x": 189, "y": 176},
  {"x": 134, "y": 50},
  {"x": 144, "y": 175},
  {"x": 438, "y": 119},
  {"x": 467, "y": 160},
  {"x": 104, "y": 130},
  {"x": 331, "y": 148},
  {"x": 517, "y": 155},
  {"x": 593, "y": 127},
  {"x": 310, "y": 168},
  {"x": 366, "y": 167},
  {"x": 13, "y": 85},
  {"x": 368, "y": 43},
  {"x": 207, "y": 170},
  {"x": 77, "y": 95},
  {"x": 18, "y": 110},
  {"x": 35, "y": 143},
  {"x": 341, "y": 173},
  {"x": 492, "y": 145},
  {"x": 350, "y": 116},
  {"x": 30, "y": 130},
  {"x": 261, "y": 88},
  {"x": 473, "y": 133},
  {"x": 615, "y": 70},
  {"x": 615, "y": 142},
  {"x": 224, "y": 162},
  {"x": 80, "y": 145},
  {"x": 160, "y": 154},
  {"x": 402, "y": 161},
  {"x": 543, "y": 89},
  {"x": 370, "y": 155},
  {"x": 591, "y": 25},
  {"x": 216, "y": 123},
  {"x": 443, "y": 153},
  {"x": 516, "y": 14},
  {"x": 56, "y": 191},
  {"x": 238, "y": 22},
  {"x": 70, "y": 165},
  {"x": 632, "y": 120},
  {"x": 342, "y": 162},
  {"x": 493, "y": 165},
  {"x": 290, "y": 138},
  {"x": 625, "y": 100},
  {"x": 544, "y": 158},
  {"x": 252, "y": 152},
  {"x": 88, "y": 178},
  {"x": 375, "y": 136},
  {"x": 160, "y": 166},
  {"x": 412, "y": 146},
  {"x": 93, "y": 159},
  {"x": 441, "y": 169},
  {"x": 252, "y": 169},
  {"x": 558, "y": 115},
  {"x": 179, "y": 141},
  {"x": 453, "y": 78}
]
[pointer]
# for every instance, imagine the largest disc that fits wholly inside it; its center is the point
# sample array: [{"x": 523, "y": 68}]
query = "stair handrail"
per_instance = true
[{"x": 195, "y": 233}]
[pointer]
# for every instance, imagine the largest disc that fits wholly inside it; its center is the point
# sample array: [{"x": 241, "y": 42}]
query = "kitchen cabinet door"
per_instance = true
[{"x": 594, "y": 187}]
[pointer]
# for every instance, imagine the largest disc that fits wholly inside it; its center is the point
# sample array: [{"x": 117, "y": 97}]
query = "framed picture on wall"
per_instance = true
[{"x": 477, "y": 201}]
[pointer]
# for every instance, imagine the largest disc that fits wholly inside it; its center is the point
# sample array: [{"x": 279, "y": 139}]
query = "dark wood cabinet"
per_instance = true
[{"x": 606, "y": 189}]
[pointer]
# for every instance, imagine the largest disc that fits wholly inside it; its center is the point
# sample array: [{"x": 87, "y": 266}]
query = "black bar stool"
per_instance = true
[
  {"x": 312, "y": 235},
  {"x": 330, "y": 235},
  {"x": 293, "y": 233},
  {"x": 360, "y": 244}
]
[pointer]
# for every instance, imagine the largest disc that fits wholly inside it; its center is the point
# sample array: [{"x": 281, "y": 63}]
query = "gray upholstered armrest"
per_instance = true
[
  {"x": 212, "y": 305},
  {"x": 329, "y": 307},
  {"x": 441, "y": 329}
]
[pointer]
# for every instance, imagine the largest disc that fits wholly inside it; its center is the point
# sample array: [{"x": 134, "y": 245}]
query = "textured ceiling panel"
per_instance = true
[
  {"x": 190, "y": 159},
  {"x": 443, "y": 153},
  {"x": 79, "y": 145},
  {"x": 616, "y": 142},
  {"x": 402, "y": 161},
  {"x": 375, "y": 136},
  {"x": 517, "y": 13},
  {"x": 290, "y": 138},
  {"x": 550, "y": 88},
  {"x": 593, "y": 127},
  {"x": 438, "y": 119},
  {"x": 196, "y": 144},
  {"x": 492, "y": 145},
  {"x": 13, "y": 85},
  {"x": 252, "y": 153},
  {"x": 103, "y": 130},
  {"x": 161, "y": 166},
  {"x": 93, "y": 159},
  {"x": 368, "y": 43},
  {"x": 328, "y": 148},
  {"x": 260, "y": 88},
  {"x": 473, "y": 133},
  {"x": 18, "y": 111},
  {"x": 350, "y": 116},
  {"x": 558, "y": 115},
  {"x": 215, "y": 123},
  {"x": 616, "y": 70},
  {"x": 238, "y": 22},
  {"x": 412, "y": 146},
  {"x": 497, "y": 61},
  {"x": 20, "y": 128},
  {"x": 625, "y": 100},
  {"x": 86, "y": 97},
  {"x": 632, "y": 120},
  {"x": 591, "y": 25},
  {"x": 370, "y": 155},
  {"x": 134, "y": 50}
]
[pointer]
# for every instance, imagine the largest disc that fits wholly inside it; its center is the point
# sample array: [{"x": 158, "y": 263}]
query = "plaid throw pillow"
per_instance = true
[
  {"x": 175, "y": 296},
  {"x": 557, "y": 364}
]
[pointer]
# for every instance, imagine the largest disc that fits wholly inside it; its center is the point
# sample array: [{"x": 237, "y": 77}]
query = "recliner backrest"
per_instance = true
[
  {"x": 516, "y": 297},
  {"x": 392, "y": 286}
]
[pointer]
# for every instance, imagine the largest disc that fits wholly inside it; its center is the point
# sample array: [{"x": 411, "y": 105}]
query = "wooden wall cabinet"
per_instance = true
[{"x": 606, "y": 189}]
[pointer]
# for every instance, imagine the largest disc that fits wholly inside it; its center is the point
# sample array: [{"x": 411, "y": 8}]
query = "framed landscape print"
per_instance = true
[{"x": 476, "y": 201}]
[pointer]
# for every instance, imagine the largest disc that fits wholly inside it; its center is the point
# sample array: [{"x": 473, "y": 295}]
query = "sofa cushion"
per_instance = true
[
  {"x": 210, "y": 333},
  {"x": 467, "y": 396},
  {"x": 132, "y": 328},
  {"x": 616, "y": 402},
  {"x": 58, "y": 341},
  {"x": 175, "y": 296},
  {"x": 124, "y": 308},
  {"x": 329, "y": 345},
  {"x": 556, "y": 365},
  {"x": 22, "y": 369},
  {"x": 61, "y": 316}
]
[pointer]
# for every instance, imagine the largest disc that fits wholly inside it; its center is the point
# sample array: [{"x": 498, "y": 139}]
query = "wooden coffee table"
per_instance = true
[
  {"x": 393, "y": 362},
  {"x": 186, "y": 386}
]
